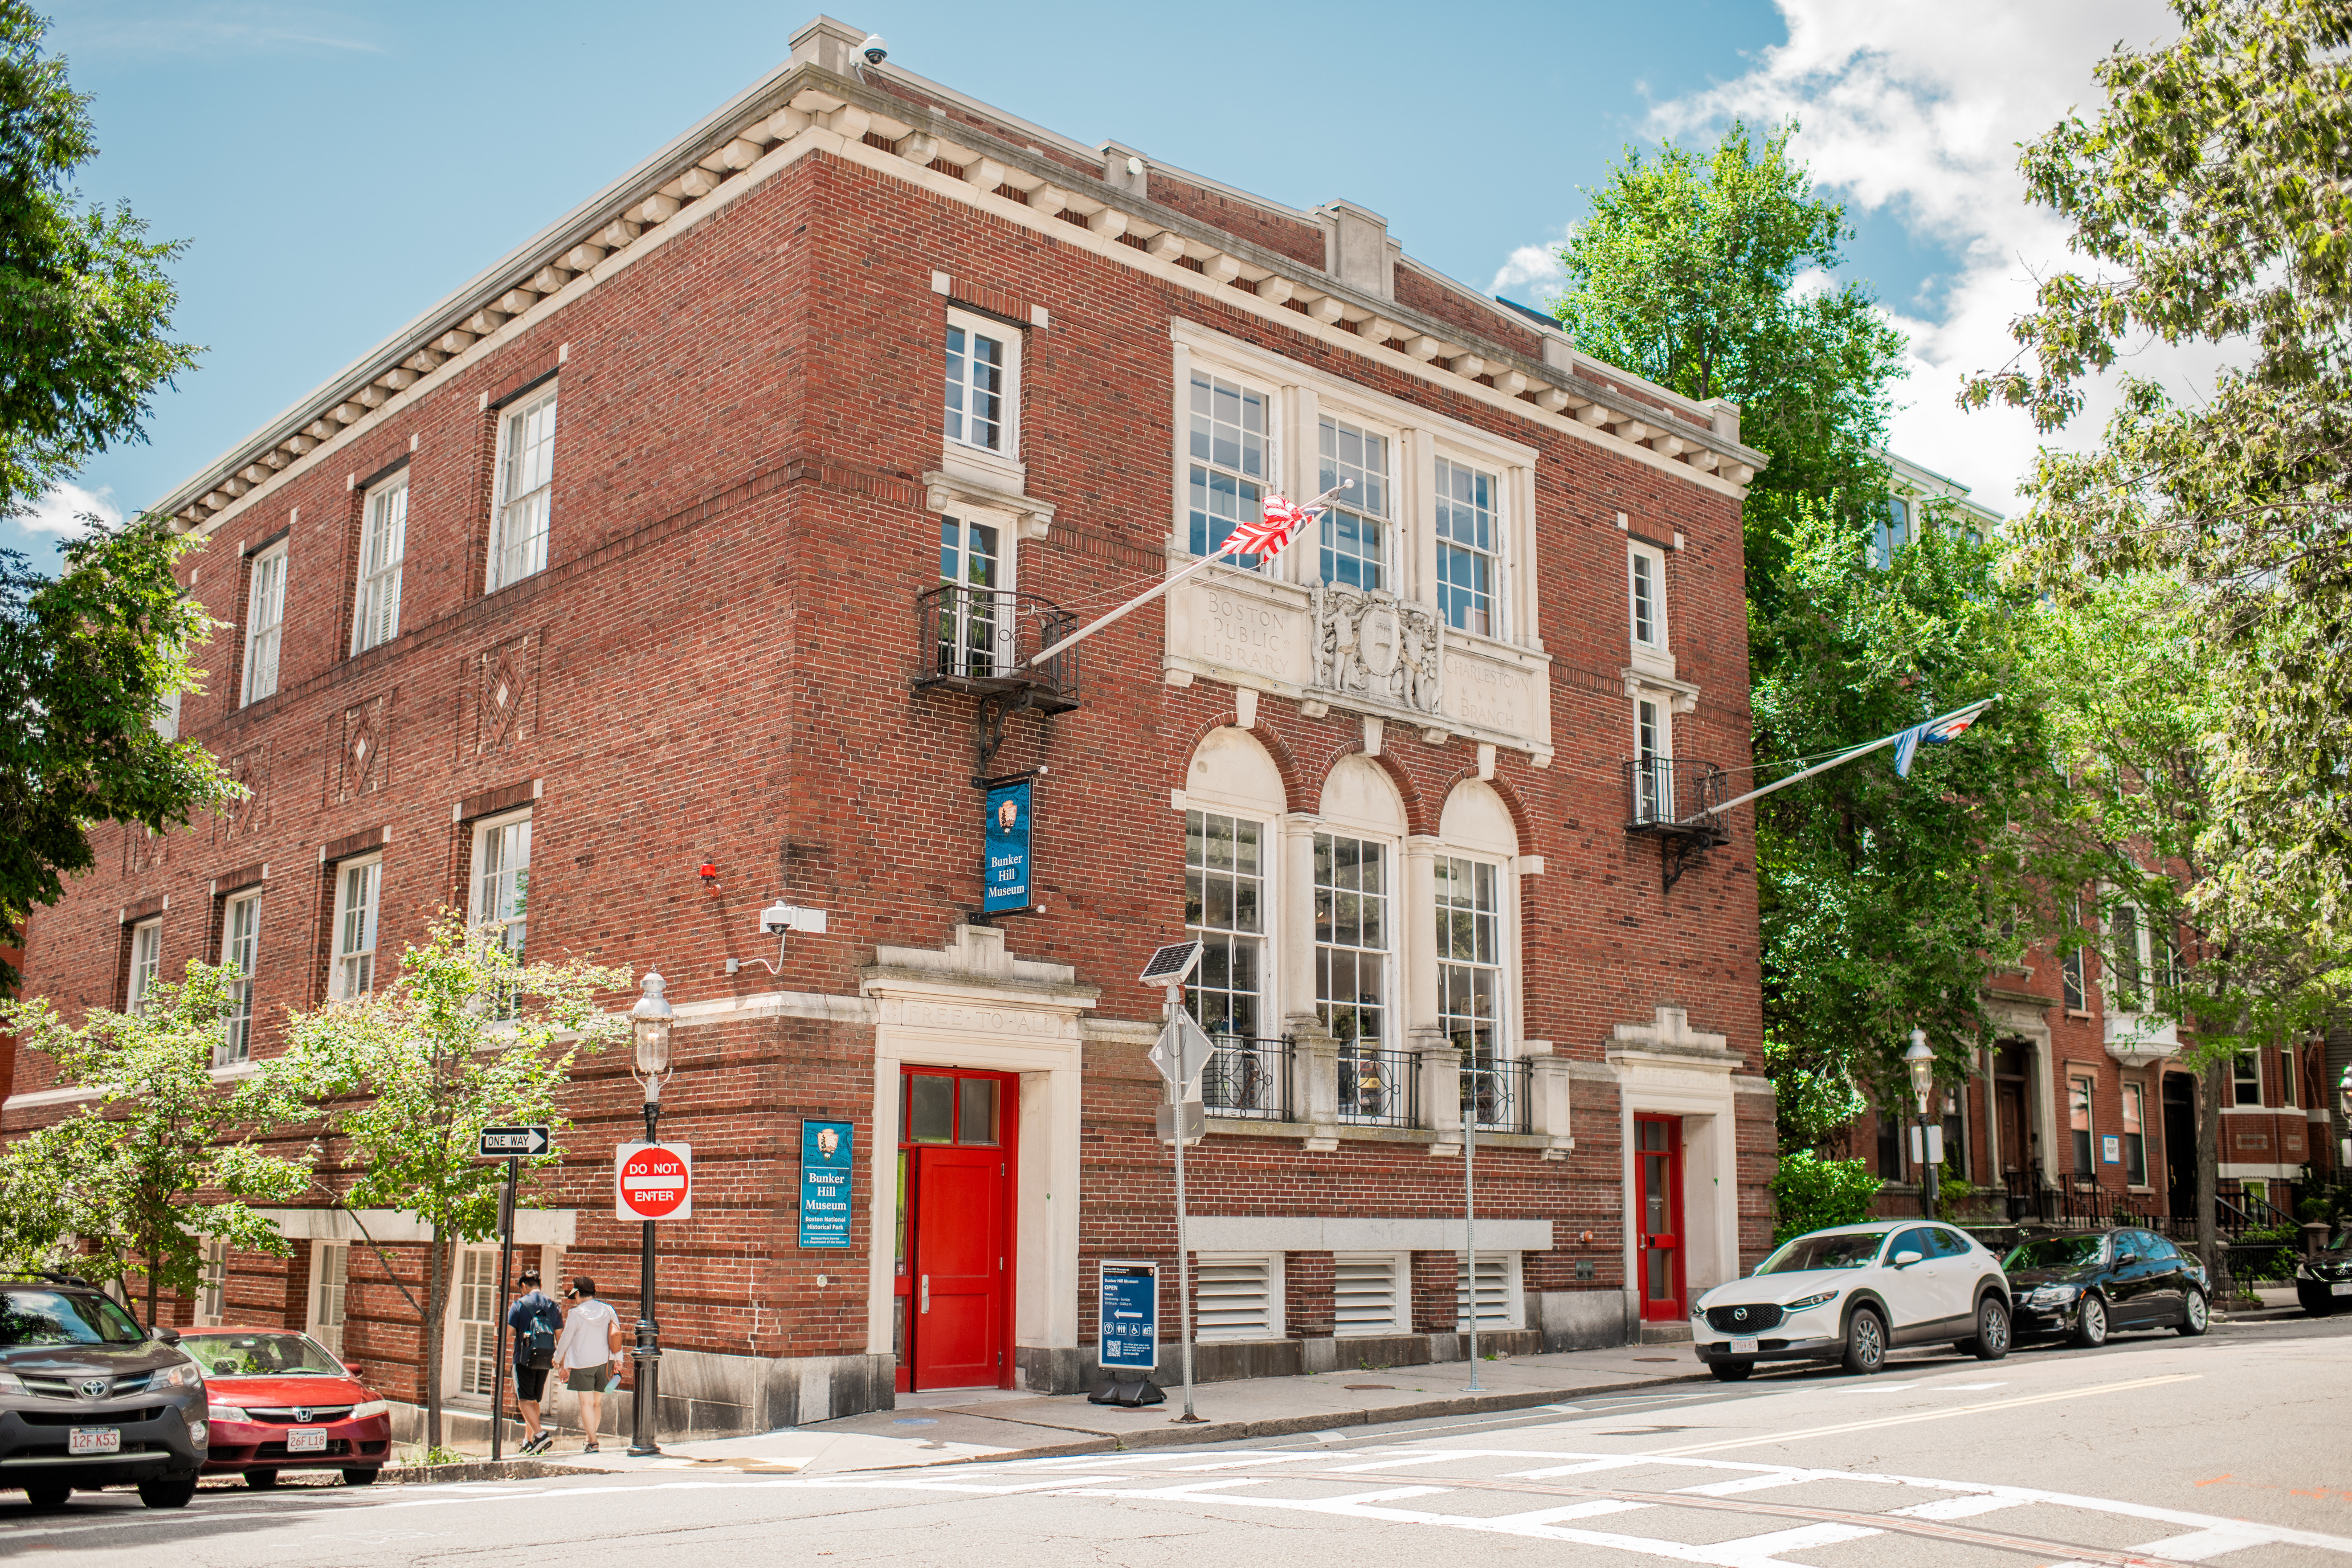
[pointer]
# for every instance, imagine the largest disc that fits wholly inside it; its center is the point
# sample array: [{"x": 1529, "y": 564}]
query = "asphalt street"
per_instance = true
[{"x": 2235, "y": 1450}]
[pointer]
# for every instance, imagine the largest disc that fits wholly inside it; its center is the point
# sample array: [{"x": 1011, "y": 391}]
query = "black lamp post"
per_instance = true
[
  {"x": 1921, "y": 1059},
  {"x": 650, "y": 1019}
]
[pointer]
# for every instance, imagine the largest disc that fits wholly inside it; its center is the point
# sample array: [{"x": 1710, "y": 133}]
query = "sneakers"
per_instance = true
[{"x": 537, "y": 1445}]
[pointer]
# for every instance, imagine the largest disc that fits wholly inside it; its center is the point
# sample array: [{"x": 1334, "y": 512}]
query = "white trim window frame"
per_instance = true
[
  {"x": 330, "y": 1265},
  {"x": 1355, "y": 538},
  {"x": 1227, "y": 864},
  {"x": 1237, "y": 1296},
  {"x": 2134, "y": 1135},
  {"x": 1645, "y": 596},
  {"x": 501, "y": 878},
  {"x": 1890, "y": 532},
  {"x": 211, "y": 1282},
  {"x": 146, "y": 961},
  {"x": 1467, "y": 517},
  {"x": 1231, "y": 458},
  {"x": 2246, "y": 1079},
  {"x": 2287, "y": 1097},
  {"x": 981, "y": 402},
  {"x": 1355, "y": 900},
  {"x": 2082, "y": 1125},
  {"x": 526, "y": 490},
  {"x": 241, "y": 949},
  {"x": 359, "y": 891},
  {"x": 383, "y": 548},
  {"x": 975, "y": 555},
  {"x": 1654, "y": 753},
  {"x": 473, "y": 1368},
  {"x": 1371, "y": 1294},
  {"x": 1502, "y": 1298},
  {"x": 265, "y": 621},
  {"x": 1473, "y": 983}
]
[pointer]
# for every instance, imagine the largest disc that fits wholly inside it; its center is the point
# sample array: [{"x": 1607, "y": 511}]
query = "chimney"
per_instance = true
[{"x": 1356, "y": 250}]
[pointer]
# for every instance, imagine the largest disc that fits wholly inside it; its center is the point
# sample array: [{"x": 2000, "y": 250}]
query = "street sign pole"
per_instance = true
[
  {"x": 506, "y": 1267},
  {"x": 1183, "y": 1254},
  {"x": 1470, "y": 1215}
]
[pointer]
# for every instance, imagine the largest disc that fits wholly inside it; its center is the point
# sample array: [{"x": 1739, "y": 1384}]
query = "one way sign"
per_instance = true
[{"x": 505, "y": 1142}]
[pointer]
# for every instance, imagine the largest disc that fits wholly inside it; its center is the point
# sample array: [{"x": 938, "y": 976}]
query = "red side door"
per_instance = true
[
  {"x": 960, "y": 1267},
  {"x": 1658, "y": 1172}
]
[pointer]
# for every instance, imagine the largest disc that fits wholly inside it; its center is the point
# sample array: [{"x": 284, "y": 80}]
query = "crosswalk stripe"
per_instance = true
[{"x": 1916, "y": 1416}]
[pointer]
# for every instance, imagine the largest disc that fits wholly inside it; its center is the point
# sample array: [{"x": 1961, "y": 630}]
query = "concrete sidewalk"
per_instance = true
[{"x": 978, "y": 1424}]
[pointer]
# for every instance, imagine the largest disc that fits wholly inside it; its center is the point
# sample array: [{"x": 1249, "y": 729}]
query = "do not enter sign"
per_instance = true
[{"x": 654, "y": 1181}]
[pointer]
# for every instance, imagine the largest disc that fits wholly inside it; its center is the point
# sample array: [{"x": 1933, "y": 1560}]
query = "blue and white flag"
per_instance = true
[{"x": 1935, "y": 731}]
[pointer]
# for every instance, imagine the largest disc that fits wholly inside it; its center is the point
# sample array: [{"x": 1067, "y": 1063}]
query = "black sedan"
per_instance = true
[
  {"x": 2084, "y": 1285},
  {"x": 2324, "y": 1283}
]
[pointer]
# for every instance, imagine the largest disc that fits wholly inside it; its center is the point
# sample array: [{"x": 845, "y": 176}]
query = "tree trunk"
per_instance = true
[
  {"x": 2209, "y": 1168},
  {"x": 151, "y": 1292},
  {"x": 436, "y": 1307}
]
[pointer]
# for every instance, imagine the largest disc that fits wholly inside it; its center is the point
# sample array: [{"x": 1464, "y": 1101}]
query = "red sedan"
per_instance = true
[{"x": 283, "y": 1402}]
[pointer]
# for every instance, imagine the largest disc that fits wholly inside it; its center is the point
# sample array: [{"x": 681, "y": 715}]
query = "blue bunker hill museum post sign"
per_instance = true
[
  {"x": 1005, "y": 886},
  {"x": 824, "y": 1184},
  {"x": 1130, "y": 1336}
]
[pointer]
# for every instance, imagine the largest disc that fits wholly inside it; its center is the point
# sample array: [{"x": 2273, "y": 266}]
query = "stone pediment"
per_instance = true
[{"x": 973, "y": 983}]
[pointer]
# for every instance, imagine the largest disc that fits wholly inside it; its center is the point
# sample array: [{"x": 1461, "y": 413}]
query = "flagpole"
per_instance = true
[
  {"x": 1844, "y": 757},
  {"x": 1162, "y": 586}
]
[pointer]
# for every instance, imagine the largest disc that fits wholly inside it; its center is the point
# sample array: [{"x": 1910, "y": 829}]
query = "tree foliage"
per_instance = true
[
  {"x": 1814, "y": 1194},
  {"x": 2212, "y": 199},
  {"x": 157, "y": 1161},
  {"x": 403, "y": 1081}
]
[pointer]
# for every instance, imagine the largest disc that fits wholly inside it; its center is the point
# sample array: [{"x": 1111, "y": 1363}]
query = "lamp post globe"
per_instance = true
[
  {"x": 649, "y": 1020},
  {"x": 1921, "y": 1062}
]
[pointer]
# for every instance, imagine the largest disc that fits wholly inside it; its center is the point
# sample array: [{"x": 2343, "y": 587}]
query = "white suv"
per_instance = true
[{"x": 1853, "y": 1293}]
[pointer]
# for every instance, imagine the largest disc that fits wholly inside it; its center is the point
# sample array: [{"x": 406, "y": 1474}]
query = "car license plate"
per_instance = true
[
  {"x": 307, "y": 1440},
  {"x": 1743, "y": 1347},
  {"x": 2341, "y": 1287},
  {"x": 94, "y": 1440}
]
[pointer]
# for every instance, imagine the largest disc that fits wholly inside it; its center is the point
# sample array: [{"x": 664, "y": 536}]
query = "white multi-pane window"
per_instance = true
[
  {"x": 526, "y": 490},
  {"x": 265, "y": 622},
  {"x": 146, "y": 962},
  {"x": 1231, "y": 461},
  {"x": 1469, "y": 570},
  {"x": 1351, "y": 938},
  {"x": 982, "y": 384},
  {"x": 330, "y": 1263},
  {"x": 1224, "y": 907},
  {"x": 2134, "y": 1135},
  {"x": 357, "y": 888},
  {"x": 1371, "y": 1293},
  {"x": 1470, "y": 979},
  {"x": 971, "y": 559},
  {"x": 240, "y": 945},
  {"x": 1653, "y": 773},
  {"x": 2246, "y": 1079},
  {"x": 1238, "y": 1296},
  {"x": 1355, "y": 527},
  {"x": 2287, "y": 1097},
  {"x": 1646, "y": 594},
  {"x": 1499, "y": 1300},
  {"x": 211, "y": 1282},
  {"x": 502, "y": 879},
  {"x": 384, "y": 545},
  {"x": 477, "y": 1320}
]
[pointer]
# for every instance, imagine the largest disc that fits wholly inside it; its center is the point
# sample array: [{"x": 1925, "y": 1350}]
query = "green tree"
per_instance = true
[
  {"x": 153, "y": 1164},
  {"x": 1687, "y": 271},
  {"x": 404, "y": 1078},
  {"x": 2212, "y": 199}
]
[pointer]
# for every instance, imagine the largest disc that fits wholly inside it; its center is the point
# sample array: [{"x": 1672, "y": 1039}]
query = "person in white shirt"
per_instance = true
[{"x": 588, "y": 1352}]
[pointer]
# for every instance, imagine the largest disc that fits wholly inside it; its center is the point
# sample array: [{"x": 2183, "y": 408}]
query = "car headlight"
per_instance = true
[
  {"x": 11, "y": 1383},
  {"x": 187, "y": 1374},
  {"x": 1697, "y": 1311},
  {"x": 2053, "y": 1295},
  {"x": 199, "y": 1433},
  {"x": 373, "y": 1407},
  {"x": 229, "y": 1413},
  {"x": 1811, "y": 1302}
]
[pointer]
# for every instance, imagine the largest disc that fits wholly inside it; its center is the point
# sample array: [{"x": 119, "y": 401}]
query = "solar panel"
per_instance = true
[{"x": 1171, "y": 965}]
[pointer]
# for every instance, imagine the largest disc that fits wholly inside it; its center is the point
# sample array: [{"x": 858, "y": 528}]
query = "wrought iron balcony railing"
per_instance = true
[
  {"x": 1379, "y": 1088},
  {"x": 1498, "y": 1092},
  {"x": 980, "y": 640},
  {"x": 1248, "y": 1077},
  {"x": 1675, "y": 794}
]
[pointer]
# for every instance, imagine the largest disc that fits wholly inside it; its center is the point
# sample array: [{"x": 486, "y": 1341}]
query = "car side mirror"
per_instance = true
[
  {"x": 1904, "y": 1258},
  {"x": 166, "y": 1336},
  {"x": 2125, "y": 1259}
]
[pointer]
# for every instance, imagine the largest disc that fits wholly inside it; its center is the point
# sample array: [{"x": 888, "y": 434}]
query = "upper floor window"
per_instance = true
[
  {"x": 502, "y": 879},
  {"x": 2287, "y": 1097},
  {"x": 1646, "y": 594},
  {"x": 2070, "y": 967},
  {"x": 526, "y": 489},
  {"x": 384, "y": 545},
  {"x": 1354, "y": 529},
  {"x": 2134, "y": 1135},
  {"x": 982, "y": 384},
  {"x": 1468, "y": 571},
  {"x": 356, "y": 893},
  {"x": 265, "y": 621},
  {"x": 2129, "y": 960},
  {"x": 240, "y": 948},
  {"x": 146, "y": 961},
  {"x": 970, "y": 557},
  {"x": 1231, "y": 461},
  {"x": 2078, "y": 1123},
  {"x": 2246, "y": 1079},
  {"x": 1893, "y": 532},
  {"x": 1224, "y": 907}
]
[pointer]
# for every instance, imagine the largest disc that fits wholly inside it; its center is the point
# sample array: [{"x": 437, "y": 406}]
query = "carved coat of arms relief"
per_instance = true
[{"x": 1375, "y": 645}]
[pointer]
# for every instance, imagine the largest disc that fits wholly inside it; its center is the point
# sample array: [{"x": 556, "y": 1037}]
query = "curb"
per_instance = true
[{"x": 479, "y": 1470}]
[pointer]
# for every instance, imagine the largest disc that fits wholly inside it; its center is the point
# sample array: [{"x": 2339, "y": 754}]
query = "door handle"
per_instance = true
[{"x": 927, "y": 1294}]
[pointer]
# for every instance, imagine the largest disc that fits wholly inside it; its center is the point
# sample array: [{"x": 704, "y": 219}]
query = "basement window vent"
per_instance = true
[
  {"x": 1238, "y": 1296},
  {"x": 1368, "y": 1293},
  {"x": 1499, "y": 1302}
]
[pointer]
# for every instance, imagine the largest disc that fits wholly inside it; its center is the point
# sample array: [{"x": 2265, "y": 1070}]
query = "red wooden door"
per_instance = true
[
  {"x": 1658, "y": 1170},
  {"x": 960, "y": 1267}
]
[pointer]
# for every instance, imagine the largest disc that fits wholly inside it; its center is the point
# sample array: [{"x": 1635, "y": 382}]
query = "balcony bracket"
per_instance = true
[
  {"x": 989, "y": 716},
  {"x": 1678, "y": 852}
]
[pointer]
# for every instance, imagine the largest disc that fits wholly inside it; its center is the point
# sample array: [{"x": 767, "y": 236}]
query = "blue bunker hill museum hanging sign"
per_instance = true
[
  {"x": 824, "y": 1184},
  {"x": 1006, "y": 881}
]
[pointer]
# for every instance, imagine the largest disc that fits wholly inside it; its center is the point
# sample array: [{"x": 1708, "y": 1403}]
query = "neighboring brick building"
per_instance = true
[{"x": 701, "y": 619}]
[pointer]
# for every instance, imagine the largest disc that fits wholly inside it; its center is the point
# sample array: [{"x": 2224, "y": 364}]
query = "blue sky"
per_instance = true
[{"x": 337, "y": 167}]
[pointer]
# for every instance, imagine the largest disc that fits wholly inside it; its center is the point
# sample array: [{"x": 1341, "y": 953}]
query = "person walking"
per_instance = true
[
  {"x": 535, "y": 1323},
  {"x": 588, "y": 1353}
]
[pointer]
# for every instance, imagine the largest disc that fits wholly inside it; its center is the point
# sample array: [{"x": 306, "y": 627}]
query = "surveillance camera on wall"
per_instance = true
[
  {"x": 875, "y": 49},
  {"x": 778, "y": 918}
]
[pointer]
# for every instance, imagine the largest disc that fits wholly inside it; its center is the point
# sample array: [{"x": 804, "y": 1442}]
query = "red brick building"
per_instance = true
[{"x": 865, "y": 388}]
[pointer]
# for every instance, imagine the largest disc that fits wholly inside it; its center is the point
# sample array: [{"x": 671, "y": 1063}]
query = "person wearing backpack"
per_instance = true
[{"x": 535, "y": 1323}]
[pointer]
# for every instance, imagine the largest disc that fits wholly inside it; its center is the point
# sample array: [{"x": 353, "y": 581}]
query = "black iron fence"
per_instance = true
[
  {"x": 1379, "y": 1088},
  {"x": 975, "y": 638},
  {"x": 1248, "y": 1077},
  {"x": 1498, "y": 1093},
  {"x": 1673, "y": 793}
]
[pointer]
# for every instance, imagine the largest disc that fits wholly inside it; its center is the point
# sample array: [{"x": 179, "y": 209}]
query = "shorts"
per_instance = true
[
  {"x": 588, "y": 1379},
  {"x": 531, "y": 1383}
]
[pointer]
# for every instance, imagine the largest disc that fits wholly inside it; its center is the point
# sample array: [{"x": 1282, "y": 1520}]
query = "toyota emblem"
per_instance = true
[
  {"x": 1739, "y": 1314},
  {"x": 302, "y": 1414},
  {"x": 93, "y": 1387}
]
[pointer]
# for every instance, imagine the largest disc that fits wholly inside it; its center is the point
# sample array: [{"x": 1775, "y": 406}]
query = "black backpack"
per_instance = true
[{"x": 539, "y": 1332}]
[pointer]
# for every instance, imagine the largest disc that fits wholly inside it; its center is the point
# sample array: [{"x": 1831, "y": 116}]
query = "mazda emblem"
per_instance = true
[
  {"x": 94, "y": 1388},
  {"x": 302, "y": 1415},
  {"x": 1739, "y": 1314}
]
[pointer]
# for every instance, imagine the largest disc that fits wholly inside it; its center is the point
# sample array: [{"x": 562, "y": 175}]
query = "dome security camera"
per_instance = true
[{"x": 874, "y": 48}]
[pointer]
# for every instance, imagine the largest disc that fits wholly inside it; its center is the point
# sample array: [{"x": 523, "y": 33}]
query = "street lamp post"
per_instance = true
[
  {"x": 1921, "y": 1059},
  {"x": 650, "y": 1021}
]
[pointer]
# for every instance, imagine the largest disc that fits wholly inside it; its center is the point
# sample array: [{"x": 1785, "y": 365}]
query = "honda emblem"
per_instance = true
[{"x": 301, "y": 1415}]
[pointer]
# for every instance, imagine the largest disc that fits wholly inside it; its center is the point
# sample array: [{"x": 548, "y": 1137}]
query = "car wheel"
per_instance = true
[
  {"x": 360, "y": 1478},
  {"x": 1991, "y": 1342},
  {"x": 261, "y": 1480},
  {"x": 1731, "y": 1370},
  {"x": 2195, "y": 1316},
  {"x": 167, "y": 1491},
  {"x": 49, "y": 1494},
  {"x": 2090, "y": 1323},
  {"x": 1865, "y": 1342}
]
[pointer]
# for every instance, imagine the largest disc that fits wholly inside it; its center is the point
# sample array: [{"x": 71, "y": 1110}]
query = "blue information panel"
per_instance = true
[
  {"x": 824, "y": 1184},
  {"x": 1130, "y": 1340},
  {"x": 1007, "y": 883}
]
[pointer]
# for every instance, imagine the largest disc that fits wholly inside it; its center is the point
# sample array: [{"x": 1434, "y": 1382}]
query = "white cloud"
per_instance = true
[
  {"x": 1529, "y": 264},
  {"x": 63, "y": 508}
]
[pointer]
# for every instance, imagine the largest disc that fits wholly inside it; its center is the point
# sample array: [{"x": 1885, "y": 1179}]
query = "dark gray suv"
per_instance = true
[{"x": 88, "y": 1400}]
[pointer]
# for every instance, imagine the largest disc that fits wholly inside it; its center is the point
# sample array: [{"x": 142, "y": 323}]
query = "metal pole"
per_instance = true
[
  {"x": 506, "y": 1265},
  {"x": 1183, "y": 1254},
  {"x": 644, "y": 1408},
  {"x": 1470, "y": 1215},
  {"x": 1926, "y": 1167},
  {"x": 1843, "y": 758}
]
